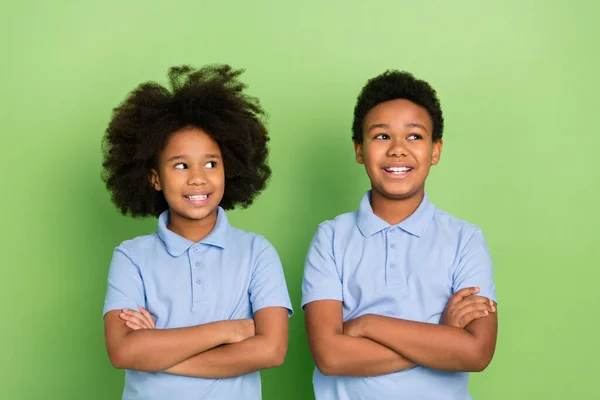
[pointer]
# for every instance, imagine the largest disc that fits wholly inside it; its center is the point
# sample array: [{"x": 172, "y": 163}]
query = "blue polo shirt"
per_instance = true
[
  {"x": 228, "y": 275},
  {"x": 407, "y": 271}
]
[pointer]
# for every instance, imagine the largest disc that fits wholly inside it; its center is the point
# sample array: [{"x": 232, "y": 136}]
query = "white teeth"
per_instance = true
[
  {"x": 199, "y": 197},
  {"x": 398, "y": 170}
]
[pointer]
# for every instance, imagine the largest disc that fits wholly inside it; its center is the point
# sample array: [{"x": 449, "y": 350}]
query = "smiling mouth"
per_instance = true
[
  {"x": 198, "y": 197},
  {"x": 398, "y": 170}
]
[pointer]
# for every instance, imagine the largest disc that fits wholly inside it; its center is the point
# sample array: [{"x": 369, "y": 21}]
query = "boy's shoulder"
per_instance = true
[
  {"x": 341, "y": 223},
  {"x": 452, "y": 224}
]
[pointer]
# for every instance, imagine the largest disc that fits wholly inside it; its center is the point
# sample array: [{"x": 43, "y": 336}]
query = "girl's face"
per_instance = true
[{"x": 191, "y": 176}]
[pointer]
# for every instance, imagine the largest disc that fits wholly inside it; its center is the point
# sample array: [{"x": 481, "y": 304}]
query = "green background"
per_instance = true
[{"x": 519, "y": 88}]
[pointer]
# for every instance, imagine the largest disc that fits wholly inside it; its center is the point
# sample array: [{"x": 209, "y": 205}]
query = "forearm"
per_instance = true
[
  {"x": 343, "y": 355},
  {"x": 435, "y": 346},
  {"x": 154, "y": 350},
  {"x": 250, "y": 355}
]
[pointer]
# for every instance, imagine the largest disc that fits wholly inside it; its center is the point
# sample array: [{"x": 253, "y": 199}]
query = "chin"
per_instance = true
[
  {"x": 196, "y": 215},
  {"x": 399, "y": 194}
]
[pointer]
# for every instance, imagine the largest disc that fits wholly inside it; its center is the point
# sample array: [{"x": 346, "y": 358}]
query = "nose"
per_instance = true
[
  {"x": 197, "y": 176},
  {"x": 397, "y": 148}
]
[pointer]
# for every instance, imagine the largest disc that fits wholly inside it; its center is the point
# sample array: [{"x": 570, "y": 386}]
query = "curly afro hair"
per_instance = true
[
  {"x": 392, "y": 85},
  {"x": 210, "y": 98}
]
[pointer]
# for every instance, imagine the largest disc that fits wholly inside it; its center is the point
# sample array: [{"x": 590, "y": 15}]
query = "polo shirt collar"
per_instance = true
[
  {"x": 416, "y": 224},
  {"x": 177, "y": 245}
]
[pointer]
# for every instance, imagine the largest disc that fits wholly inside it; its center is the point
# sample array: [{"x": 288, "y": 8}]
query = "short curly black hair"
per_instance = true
[
  {"x": 210, "y": 98},
  {"x": 392, "y": 85}
]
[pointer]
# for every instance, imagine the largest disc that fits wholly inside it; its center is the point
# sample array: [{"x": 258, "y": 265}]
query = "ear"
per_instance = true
[
  {"x": 358, "y": 148},
  {"x": 437, "y": 152},
  {"x": 155, "y": 180}
]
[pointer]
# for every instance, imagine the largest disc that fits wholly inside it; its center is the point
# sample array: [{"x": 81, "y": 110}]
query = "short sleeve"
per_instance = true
[
  {"x": 125, "y": 286},
  {"x": 267, "y": 285},
  {"x": 321, "y": 279},
  {"x": 475, "y": 267}
]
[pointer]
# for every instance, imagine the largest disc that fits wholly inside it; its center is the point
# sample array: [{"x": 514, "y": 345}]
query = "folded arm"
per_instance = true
[
  {"x": 435, "y": 346},
  {"x": 154, "y": 350},
  {"x": 335, "y": 353},
  {"x": 267, "y": 349}
]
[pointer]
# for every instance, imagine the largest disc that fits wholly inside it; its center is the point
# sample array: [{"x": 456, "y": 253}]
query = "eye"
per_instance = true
[
  {"x": 180, "y": 166},
  {"x": 382, "y": 136},
  {"x": 414, "y": 136},
  {"x": 210, "y": 164}
]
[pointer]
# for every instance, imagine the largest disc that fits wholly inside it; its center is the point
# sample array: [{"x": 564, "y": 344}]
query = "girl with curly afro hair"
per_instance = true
[{"x": 198, "y": 300}]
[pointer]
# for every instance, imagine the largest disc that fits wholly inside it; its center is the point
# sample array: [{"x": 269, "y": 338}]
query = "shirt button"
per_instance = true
[
  {"x": 196, "y": 249},
  {"x": 198, "y": 263},
  {"x": 199, "y": 281},
  {"x": 393, "y": 266},
  {"x": 393, "y": 245}
]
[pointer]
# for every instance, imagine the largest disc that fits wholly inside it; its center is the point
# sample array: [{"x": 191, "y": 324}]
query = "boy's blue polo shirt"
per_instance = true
[
  {"x": 230, "y": 274},
  {"x": 407, "y": 271}
]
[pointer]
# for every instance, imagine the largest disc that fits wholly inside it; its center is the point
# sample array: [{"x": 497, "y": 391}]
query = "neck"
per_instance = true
[
  {"x": 192, "y": 229},
  {"x": 394, "y": 211}
]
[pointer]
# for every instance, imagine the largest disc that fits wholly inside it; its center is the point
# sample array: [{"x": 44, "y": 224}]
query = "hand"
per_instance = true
[
  {"x": 354, "y": 327},
  {"x": 464, "y": 307},
  {"x": 242, "y": 330},
  {"x": 137, "y": 320}
]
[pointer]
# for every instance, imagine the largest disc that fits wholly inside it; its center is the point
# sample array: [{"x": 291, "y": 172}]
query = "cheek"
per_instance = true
[
  {"x": 424, "y": 154},
  {"x": 173, "y": 180},
  {"x": 374, "y": 154},
  {"x": 218, "y": 179}
]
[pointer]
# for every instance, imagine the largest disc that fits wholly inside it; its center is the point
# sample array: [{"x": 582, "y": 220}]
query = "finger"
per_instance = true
[
  {"x": 461, "y": 294},
  {"x": 136, "y": 318},
  {"x": 473, "y": 300},
  {"x": 472, "y": 316},
  {"x": 147, "y": 315},
  {"x": 134, "y": 326},
  {"x": 474, "y": 307}
]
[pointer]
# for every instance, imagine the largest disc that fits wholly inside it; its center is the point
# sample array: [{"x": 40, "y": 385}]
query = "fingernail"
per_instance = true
[{"x": 485, "y": 312}]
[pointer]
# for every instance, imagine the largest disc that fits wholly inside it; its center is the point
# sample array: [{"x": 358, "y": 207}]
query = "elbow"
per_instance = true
[
  {"x": 328, "y": 369},
  {"x": 326, "y": 364},
  {"x": 480, "y": 359},
  {"x": 481, "y": 363},
  {"x": 117, "y": 358},
  {"x": 278, "y": 357},
  {"x": 275, "y": 355}
]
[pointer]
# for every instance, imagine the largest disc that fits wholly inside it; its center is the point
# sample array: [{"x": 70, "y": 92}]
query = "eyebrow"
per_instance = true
[
  {"x": 409, "y": 125},
  {"x": 182, "y": 156}
]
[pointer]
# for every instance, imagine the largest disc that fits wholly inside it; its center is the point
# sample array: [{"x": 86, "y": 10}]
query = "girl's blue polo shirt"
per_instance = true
[
  {"x": 407, "y": 271},
  {"x": 230, "y": 274}
]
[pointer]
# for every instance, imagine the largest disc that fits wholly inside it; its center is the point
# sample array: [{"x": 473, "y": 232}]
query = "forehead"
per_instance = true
[
  {"x": 191, "y": 141},
  {"x": 398, "y": 113}
]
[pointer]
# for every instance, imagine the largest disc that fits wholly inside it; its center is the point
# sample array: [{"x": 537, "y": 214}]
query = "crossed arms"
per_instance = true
[
  {"x": 370, "y": 345},
  {"x": 215, "y": 350}
]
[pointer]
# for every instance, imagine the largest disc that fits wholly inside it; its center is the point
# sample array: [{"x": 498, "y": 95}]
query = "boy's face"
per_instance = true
[
  {"x": 397, "y": 149},
  {"x": 191, "y": 175}
]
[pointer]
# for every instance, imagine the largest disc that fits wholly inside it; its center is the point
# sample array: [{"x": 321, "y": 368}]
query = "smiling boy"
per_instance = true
[{"x": 389, "y": 290}]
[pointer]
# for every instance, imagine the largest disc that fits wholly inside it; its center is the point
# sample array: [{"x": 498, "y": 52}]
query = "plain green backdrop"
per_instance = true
[{"x": 519, "y": 89}]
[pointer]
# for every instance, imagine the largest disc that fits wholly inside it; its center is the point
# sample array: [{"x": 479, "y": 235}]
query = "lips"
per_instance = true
[
  {"x": 398, "y": 171},
  {"x": 197, "y": 199}
]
